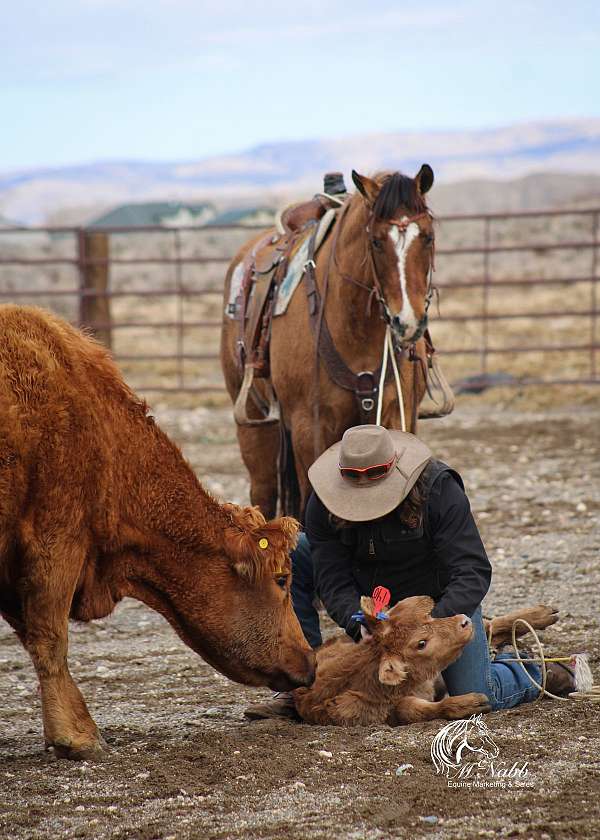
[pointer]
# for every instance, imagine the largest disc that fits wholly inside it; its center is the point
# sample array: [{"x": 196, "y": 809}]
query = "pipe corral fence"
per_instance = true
[{"x": 518, "y": 295}]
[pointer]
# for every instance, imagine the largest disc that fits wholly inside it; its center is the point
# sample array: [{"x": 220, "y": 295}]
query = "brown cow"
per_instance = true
[
  {"x": 389, "y": 678},
  {"x": 97, "y": 504}
]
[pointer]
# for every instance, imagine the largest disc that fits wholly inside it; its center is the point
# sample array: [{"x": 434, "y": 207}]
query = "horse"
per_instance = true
[
  {"x": 453, "y": 739},
  {"x": 369, "y": 282}
]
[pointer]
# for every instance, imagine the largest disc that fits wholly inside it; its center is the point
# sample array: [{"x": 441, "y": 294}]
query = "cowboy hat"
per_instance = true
[{"x": 368, "y": 472}]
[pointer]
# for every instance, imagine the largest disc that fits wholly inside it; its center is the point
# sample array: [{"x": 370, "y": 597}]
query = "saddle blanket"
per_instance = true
[{"x": 293, "y": 275}]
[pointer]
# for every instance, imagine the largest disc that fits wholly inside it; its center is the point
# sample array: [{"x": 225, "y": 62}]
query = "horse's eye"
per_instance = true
[
  {"x": 281, "y": 581},
  {"x": 377, "y": 244},
  {"x": 428, "y": 238},
  {"x": 422, "y": 644}
]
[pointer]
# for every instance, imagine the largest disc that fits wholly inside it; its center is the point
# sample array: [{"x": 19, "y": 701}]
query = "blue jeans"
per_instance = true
[{"x": 505, "y": 683}]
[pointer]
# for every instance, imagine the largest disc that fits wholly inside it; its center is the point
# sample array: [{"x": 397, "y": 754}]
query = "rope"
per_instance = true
[
  {"x": 588, "y": 691},
  {"x": 388, "y": 350}
]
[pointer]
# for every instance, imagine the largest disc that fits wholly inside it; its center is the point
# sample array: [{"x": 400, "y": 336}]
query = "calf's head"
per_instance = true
[
  {"x": 251, "y": 628},
  {"x": 413, "y": 645}
]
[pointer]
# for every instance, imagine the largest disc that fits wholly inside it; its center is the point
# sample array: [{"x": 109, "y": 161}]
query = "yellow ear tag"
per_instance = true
[{"x": 263, "y": 543}]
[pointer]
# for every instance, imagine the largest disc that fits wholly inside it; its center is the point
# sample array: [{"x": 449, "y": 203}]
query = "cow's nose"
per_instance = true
[{"x": 466, "y": 621}]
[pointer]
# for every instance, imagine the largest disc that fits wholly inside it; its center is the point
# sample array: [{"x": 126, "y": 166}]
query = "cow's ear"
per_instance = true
[
  {"x": 285, "y": 527},
  {"x": 244, "y": 554},
  {"x": 424, "y": 178},
  {"x": 367, "y": 187}
]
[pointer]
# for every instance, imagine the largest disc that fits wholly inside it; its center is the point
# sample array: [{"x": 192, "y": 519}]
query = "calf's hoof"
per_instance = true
[
  {"x": 94, "y": 750},
  {"x": 542, "y": 616},
  {"x": 466, "y": 705}
]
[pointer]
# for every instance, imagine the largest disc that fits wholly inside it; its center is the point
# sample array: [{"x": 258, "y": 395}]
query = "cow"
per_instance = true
[
  {"x": 392, "y": 676},
  {"x": 97, "y": 504}
]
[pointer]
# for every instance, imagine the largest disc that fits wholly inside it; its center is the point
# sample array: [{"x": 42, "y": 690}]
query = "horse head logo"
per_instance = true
[{"x": 459, "y": 738}]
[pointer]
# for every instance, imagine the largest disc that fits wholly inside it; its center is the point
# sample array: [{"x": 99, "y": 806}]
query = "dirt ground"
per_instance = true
[{"x": 183, "y": 763}]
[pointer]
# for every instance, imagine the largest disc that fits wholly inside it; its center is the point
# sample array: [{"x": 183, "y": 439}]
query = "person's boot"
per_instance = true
[
  {"x": 281, "y": 705},
  {"x": 560, "y": 679}
]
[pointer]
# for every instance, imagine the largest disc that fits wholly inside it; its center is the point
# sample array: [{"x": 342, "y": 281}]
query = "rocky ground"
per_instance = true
[{"x": 184, "y": 764}]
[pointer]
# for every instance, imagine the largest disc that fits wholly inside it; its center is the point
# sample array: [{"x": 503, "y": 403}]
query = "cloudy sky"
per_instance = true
[{"x": 84, "y": 80}]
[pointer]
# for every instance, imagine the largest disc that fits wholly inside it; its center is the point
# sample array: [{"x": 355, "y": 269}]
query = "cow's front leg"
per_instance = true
[
  {"x": 68, "y": 726},
  {"x": 414, "y": 709}
]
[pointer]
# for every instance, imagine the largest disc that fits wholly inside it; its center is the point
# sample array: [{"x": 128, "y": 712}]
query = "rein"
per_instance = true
[{"x": 365, "y": 384}]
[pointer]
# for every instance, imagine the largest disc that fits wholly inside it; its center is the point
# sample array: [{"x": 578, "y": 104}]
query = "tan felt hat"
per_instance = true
[{"x": 358, "y": 498}]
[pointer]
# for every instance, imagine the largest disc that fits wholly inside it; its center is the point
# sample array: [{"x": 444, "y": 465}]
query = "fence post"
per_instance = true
[{"x": 94, "y": 303}]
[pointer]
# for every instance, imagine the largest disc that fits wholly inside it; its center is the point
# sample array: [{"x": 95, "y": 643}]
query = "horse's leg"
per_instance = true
[
  {"x": 304, "y": 453},
  {"x": 539, "y": 617},
  {"x": 259, "y": 446},
  {"x": 52, "y": 570},
  {"x": 414, "y": 709}
]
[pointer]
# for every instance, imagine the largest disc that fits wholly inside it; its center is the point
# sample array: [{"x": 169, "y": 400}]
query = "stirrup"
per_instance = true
[
  {"x": 440, "y": 383},
  {"x": 240, "y": 412}
]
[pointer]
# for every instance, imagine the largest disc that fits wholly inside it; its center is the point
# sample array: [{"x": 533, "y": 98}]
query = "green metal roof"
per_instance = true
[{"x": 148, "y": 213}]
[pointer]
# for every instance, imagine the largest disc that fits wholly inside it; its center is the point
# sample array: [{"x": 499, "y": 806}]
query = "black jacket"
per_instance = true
[{"x": 443, "y": 557}]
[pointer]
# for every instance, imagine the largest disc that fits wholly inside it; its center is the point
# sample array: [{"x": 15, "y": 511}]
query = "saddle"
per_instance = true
[{"x": 263, "y": 270}]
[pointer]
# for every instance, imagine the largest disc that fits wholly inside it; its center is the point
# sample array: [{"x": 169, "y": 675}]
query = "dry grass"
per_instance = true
[{"x": 543, "y": 263}]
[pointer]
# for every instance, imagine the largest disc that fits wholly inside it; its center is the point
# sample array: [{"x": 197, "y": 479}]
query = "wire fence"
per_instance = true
[{"x": 519, "y": 295}]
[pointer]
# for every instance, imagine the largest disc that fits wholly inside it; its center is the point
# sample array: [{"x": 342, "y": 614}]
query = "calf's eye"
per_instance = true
[
  {"x": 281, "y": 581},
  {"x": 422, "y": 644}
]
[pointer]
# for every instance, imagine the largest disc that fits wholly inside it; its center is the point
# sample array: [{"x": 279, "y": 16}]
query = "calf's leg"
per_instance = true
[
  {"x": 539, "y": 617},
  {"x": 68, "y": 726},
  {"x": 414, "y": 709}
]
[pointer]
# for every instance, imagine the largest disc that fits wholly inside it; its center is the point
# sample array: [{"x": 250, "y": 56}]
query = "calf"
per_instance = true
[
  {"x": 97, "y": 504},
  {"x": 389, "y": 677}
]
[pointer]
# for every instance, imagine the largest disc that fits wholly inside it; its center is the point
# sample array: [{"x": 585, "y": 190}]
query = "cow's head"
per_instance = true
[
  {"x": 412, "y": 644},
  {"x": 253, "y": 634}
]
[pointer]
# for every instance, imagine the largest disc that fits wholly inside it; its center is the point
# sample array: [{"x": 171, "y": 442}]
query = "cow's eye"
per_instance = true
[
  {"x": 422, "y": 644},
  {"x": 281, "y": 581}
]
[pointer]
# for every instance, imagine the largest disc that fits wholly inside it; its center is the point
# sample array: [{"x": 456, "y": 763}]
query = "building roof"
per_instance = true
[
  {"x": 154, "y": 213},
  {"x": 244, "y": 215}
]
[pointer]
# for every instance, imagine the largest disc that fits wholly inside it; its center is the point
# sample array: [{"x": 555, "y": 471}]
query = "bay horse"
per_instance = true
[{"x": 373, "y": 272}]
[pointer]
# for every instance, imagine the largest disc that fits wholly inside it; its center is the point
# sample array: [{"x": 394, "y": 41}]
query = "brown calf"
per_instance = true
[
  {"x": 389, "y": 678},
  {"x": 97, "y": 504}
]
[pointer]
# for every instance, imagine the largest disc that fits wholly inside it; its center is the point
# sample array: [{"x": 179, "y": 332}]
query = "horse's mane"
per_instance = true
[{"x": 397, "y": 190}]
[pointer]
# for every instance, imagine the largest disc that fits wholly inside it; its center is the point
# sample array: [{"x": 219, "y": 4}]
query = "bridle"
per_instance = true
[
  {"x": 367, "y": 386},
  {"x": 402, "y": 225}
]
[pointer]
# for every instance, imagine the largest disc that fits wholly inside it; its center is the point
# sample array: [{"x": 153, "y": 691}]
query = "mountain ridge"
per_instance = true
[{"x": 292, "y": 169}]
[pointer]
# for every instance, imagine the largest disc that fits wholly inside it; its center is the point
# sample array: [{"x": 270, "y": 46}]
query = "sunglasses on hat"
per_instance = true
[{"x": 371, "y": 473}]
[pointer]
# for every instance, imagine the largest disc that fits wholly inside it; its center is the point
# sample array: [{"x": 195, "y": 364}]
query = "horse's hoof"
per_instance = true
[{"x": 85, "y": 751}]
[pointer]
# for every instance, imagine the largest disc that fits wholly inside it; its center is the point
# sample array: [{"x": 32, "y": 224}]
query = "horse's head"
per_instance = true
[
  {"x": 401, "y": 239},
  {"x": 478, "y": 738}
]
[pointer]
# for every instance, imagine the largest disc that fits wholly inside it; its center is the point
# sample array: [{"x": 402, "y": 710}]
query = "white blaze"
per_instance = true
[{"x": 402, "y": 242}]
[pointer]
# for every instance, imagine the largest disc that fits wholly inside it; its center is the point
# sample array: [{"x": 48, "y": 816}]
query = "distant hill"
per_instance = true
[{"x": 514, "y": 167}]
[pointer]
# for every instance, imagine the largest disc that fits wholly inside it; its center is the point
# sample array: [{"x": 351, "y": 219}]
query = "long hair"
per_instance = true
[{"x": 410, "y": 511}]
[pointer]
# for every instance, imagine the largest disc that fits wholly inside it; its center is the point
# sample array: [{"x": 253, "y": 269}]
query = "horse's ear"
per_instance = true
[
  {"x": 367, "y": 187},
  {"x": 424, "y": 178}
]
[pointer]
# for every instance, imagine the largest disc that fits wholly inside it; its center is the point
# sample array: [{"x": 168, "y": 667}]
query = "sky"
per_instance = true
[{"x": 89, "y": 80}]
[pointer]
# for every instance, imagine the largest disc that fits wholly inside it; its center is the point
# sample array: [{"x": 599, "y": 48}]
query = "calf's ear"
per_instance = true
[{"x": 392, "y": 670}]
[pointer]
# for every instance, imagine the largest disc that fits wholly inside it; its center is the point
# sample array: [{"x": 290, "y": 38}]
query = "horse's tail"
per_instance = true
[{"x": 288, "y": 489}]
